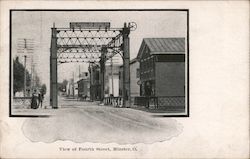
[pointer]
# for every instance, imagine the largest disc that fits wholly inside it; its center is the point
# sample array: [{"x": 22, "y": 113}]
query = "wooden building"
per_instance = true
[{"x": 162, "y": 70}]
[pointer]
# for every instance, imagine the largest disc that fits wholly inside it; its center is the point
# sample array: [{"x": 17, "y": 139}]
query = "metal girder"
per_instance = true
[
  {"x": 90, "y": 45},
  {"x": 74, "y": 41}
]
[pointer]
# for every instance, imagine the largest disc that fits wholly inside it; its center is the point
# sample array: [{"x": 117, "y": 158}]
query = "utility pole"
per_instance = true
[
  {"x": 24, "y": 87},
  {"x": 25, "y": 46},
  {"x": 31, "y": 74}
]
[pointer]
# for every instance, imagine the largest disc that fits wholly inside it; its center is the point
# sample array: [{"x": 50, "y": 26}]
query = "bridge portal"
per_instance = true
[{"x": 91, "y": 42}]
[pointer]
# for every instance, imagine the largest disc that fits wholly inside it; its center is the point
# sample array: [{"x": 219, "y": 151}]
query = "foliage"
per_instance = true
[
  {"x": 18, "y": 76},
  {"x": 43, "y": 89}
]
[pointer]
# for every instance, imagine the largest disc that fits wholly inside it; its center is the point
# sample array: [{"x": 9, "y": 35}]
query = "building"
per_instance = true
[
  {"x": 95, "y": 83},
  {"x": 134, "y": 78},
  {"x": 162, "y": 70},
  {"x": 71, "y": 88},
  {"x": 84, "y": 88},
  {"x": 111, "y": 80},
  {"x": 83, "y": 85}
]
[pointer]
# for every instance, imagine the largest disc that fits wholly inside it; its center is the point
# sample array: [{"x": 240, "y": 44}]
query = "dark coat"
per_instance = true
[{"x": 34, "y": 104}]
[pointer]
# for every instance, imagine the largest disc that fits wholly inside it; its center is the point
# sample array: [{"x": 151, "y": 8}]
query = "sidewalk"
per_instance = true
[{"x": 158, "y": 110}]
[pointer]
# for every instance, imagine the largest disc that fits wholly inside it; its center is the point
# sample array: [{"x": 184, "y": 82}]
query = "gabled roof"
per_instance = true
[{"x": 163, "y": 46}]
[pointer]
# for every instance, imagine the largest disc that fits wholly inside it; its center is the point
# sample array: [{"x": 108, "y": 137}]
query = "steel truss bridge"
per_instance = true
[{"x": 91, "y": 45}]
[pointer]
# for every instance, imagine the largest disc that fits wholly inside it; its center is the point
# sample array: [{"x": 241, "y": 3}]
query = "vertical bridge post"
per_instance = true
[
  {"x": 102, "y": 70},
  {"x": 53, "y": 70},
  {"x": 126, "y": 67}
]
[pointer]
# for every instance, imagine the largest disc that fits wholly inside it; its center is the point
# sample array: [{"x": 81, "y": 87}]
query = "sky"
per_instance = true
[{"x": 36, "y": 25}]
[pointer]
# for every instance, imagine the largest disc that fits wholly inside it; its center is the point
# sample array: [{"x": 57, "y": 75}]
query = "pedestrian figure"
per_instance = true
[
  {"x": 34, "y": 100},
  {"x": 40, "y": 98},
  {"x": 148, "y": 91}
]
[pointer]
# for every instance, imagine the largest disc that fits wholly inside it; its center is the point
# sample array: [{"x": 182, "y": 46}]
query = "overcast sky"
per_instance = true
[{"x": 37, "y": 25}]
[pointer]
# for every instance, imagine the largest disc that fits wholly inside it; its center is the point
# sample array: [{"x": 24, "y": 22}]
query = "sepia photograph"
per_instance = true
[
  {"x": 126, "y": 79},
  {"x": 135, "y": 59}
]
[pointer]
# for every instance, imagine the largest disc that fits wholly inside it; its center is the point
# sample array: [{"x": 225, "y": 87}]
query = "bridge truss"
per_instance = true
[{"x": 93, "y": 45}]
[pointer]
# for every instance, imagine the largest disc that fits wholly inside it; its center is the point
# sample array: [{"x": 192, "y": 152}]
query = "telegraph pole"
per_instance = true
[
  {"x": 25, "y": 46},
  {"x": 31, "y": 73},
  {"x": 24, "y": 87}
]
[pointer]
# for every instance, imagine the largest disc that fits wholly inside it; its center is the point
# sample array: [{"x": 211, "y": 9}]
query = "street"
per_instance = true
[{"x": 80, "y": 121}]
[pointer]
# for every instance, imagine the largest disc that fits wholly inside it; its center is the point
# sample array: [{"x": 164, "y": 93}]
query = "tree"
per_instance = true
[
  {"x": 18, "y": 73},
  {"x": 43, "y": 89}
]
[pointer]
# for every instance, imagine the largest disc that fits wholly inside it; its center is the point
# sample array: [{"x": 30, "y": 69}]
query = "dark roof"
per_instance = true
[
  {"x": 163, "y": 45},
  {"x": 131, "y": 61}
]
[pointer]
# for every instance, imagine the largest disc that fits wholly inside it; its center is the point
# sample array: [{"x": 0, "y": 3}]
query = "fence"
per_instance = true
[
  {"x": 168, "y": 102},
  {"x": 115, "y": 101},
  {"x": 22, "y": 101},
  {"x": 172, "y": 103},
  {"x": 146, "y": 101}
]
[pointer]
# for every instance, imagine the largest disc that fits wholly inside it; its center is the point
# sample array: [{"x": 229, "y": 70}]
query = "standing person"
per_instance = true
[
  {"x": 41, "y": 97},
  {"x": 38, "y": 99},
  {"x": 34, "y": 99},
  {"x": 148, "y": 91}
]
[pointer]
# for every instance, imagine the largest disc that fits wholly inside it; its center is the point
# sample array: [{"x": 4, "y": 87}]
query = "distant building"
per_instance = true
[
  {"x": 162, "y": 70},
  {"x": 83, "y": 85},
  {"x": 95, "y": 83},
  {"x": 111, "y": 80},
  {"x": 71, "y": 89}
]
